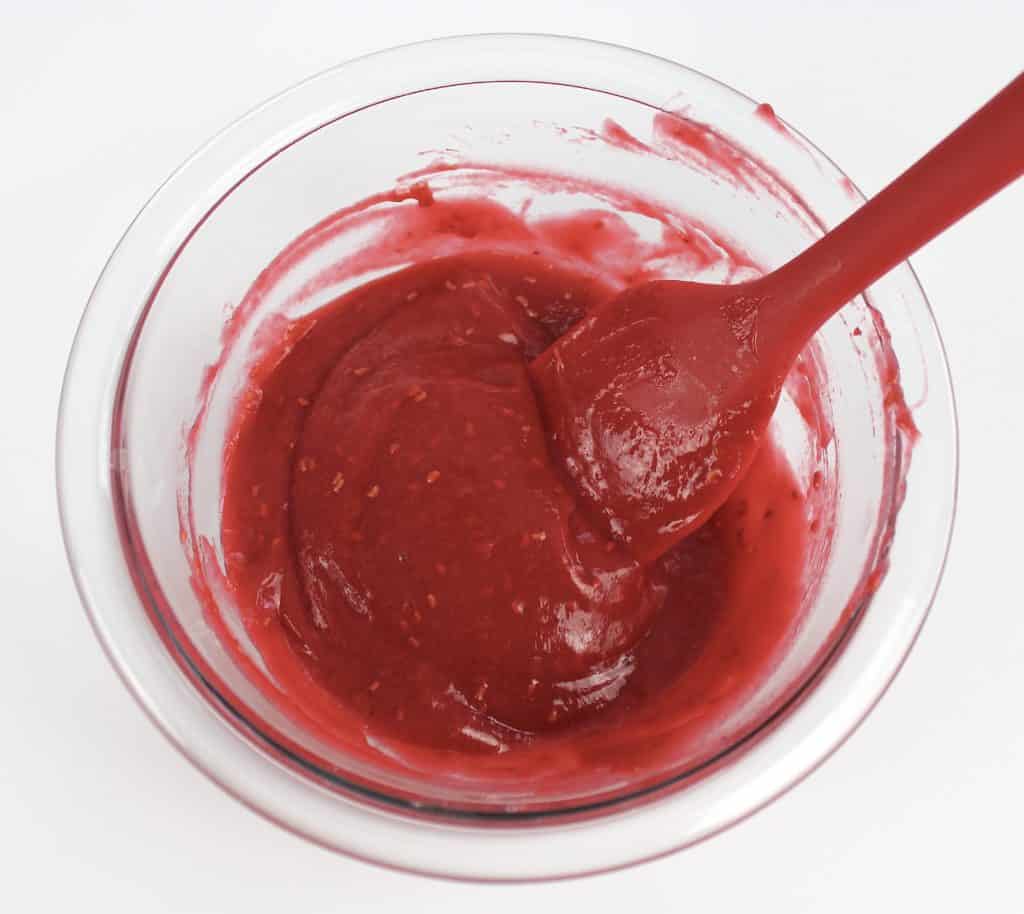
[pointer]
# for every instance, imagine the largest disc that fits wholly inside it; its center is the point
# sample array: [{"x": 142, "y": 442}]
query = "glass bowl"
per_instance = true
[{"x": 176, "y": 314}]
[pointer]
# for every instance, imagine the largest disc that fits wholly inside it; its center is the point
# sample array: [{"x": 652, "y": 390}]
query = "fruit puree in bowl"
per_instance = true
[{"x": 410, "y": 561}]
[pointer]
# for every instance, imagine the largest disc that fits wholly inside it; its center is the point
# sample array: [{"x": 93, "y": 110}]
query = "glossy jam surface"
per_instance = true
[
  {"x": 403, "y": 565},
  {"x": 393, "y": 510}
]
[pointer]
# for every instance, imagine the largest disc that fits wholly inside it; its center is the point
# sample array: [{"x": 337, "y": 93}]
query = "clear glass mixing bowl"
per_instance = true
[{"x": 159, "y": 318}]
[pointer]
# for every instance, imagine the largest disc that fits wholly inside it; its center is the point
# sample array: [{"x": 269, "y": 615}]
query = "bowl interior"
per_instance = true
[{"x": 269, "y": 251}]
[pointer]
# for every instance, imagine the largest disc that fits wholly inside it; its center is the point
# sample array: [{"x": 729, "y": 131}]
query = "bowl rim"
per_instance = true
[{"x": 108, "y": 592}]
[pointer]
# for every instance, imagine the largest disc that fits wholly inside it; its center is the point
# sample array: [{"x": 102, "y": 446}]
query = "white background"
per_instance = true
[{"x": 99, "y": 101}]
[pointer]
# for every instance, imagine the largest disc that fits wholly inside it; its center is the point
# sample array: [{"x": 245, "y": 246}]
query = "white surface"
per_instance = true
[{"x": 99, "y": 101}]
